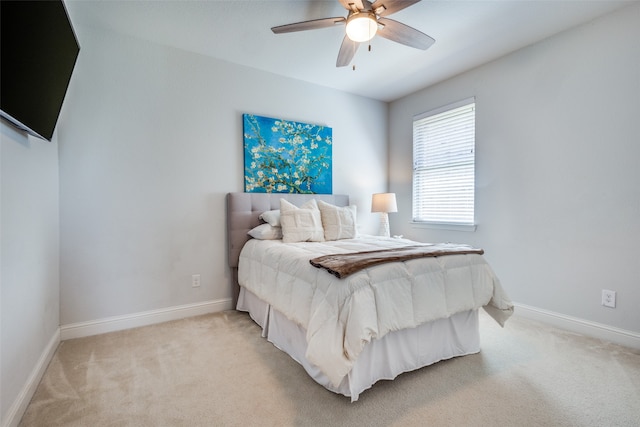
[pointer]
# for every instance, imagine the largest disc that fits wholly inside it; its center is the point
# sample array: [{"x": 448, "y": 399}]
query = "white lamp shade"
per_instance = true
[
  {"x": 361, "y": 27},
  {"x": 384, "y": 202}
]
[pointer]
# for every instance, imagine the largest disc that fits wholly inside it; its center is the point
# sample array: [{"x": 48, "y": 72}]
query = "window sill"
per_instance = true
[{"x": 444, "y": 226}]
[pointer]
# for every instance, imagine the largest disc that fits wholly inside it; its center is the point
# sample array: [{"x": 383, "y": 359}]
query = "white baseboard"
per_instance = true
[
  {"x": 16, "y": 411},
  {"x": 585, "y": 327},
  {"x": 145, "y": 318}
]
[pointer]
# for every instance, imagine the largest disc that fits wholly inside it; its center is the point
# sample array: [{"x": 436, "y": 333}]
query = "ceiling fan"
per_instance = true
[{"x": 364, "y": 21}]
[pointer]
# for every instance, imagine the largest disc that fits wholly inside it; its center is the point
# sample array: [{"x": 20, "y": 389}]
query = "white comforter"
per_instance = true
[{"x": 342, "y": 315}]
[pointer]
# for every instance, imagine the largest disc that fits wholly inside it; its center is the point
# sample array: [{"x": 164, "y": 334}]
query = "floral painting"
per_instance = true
[{"x": 282, "y": 156}]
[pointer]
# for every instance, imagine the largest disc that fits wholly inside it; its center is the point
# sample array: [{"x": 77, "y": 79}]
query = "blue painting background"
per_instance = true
[{"x": 283, "y": 156}]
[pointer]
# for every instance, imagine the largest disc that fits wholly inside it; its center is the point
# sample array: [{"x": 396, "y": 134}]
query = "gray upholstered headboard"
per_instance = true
[{"x": 243, "y": 210}]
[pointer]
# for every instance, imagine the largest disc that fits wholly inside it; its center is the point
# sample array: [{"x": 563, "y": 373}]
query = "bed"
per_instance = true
[{"x": 375, "y": 323}]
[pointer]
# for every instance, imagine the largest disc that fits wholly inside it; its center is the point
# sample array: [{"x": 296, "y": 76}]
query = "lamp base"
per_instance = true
[{"x": 384, "y": 225}]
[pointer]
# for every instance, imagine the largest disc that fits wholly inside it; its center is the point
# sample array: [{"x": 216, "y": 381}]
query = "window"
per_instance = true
[{"x": 444, "y": 165}]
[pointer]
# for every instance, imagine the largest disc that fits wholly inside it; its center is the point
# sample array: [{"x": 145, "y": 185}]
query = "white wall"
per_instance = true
[
  {"x": 151, "y": 144},
  {"x": 29, "y": 287},
  {"x": 558, "y": 182}
]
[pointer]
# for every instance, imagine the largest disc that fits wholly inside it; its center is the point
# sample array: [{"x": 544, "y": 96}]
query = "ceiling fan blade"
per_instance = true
[
  {"x": 404, "y": 34},
  {"x": 309, "y": 25},
  {"x": 351, "y": 4},
  {"x": 387, "y": 7},
  {"x": 347, "y": 51}
]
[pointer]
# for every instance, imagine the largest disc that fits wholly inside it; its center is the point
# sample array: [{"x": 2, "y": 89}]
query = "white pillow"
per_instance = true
[
  {"x": 271, "y": 217},
  {"x": 338, "y": 222},
  {"x": 301, "y": 224},
  {"x": 266, "y": 232}
]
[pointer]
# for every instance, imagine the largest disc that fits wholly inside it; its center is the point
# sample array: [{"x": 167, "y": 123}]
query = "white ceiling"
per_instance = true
[{"x": 467, "y": 33}]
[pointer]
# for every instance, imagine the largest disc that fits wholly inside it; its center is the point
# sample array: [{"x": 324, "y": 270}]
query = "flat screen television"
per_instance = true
[{"x": 39, "y": 50}]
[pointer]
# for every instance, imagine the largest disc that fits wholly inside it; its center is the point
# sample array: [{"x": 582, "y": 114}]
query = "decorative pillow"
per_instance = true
[
  {"x": 338, "y": 222},
  {"x": 302, "y": 224},
  {"x": 266, "y": 232},
  {"x": 271, "y": 217}
]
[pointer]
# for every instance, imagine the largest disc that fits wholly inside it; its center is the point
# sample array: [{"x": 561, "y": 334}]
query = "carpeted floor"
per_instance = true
[{"x": 216, "y": 370}]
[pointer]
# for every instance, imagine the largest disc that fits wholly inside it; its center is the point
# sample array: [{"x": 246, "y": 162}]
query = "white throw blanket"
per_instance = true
[{"x": 342, "y": 315}]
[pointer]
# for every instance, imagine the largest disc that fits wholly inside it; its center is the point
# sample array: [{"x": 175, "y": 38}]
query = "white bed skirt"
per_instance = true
[{"x": 385, "y": 358}]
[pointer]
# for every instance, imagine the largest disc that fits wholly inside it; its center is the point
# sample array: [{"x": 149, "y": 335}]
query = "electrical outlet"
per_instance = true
[
  {"x": 609, "y": 298},
  {"x": 195, "y": 281}
]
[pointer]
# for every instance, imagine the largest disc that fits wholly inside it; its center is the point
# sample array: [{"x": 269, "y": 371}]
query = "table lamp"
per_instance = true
[{"x": 384, "y": 203}]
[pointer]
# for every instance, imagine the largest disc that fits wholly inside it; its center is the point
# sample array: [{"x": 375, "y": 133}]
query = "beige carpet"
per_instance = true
[{"x": 216, "y": 370}]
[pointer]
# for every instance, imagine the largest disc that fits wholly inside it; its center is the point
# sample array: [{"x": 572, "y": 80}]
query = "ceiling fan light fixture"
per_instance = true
[{"x": 361, "y": 27}]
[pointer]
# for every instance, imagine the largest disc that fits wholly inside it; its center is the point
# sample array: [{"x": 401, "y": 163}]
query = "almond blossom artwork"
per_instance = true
[{"x": 282, "y": 156}]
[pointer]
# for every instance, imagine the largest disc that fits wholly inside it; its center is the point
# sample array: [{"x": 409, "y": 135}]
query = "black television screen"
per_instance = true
[{"x": 38, "y": 52}]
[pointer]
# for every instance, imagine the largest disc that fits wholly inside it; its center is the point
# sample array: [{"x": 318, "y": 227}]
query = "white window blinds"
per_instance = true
[{"x": 444, "y": 164}]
